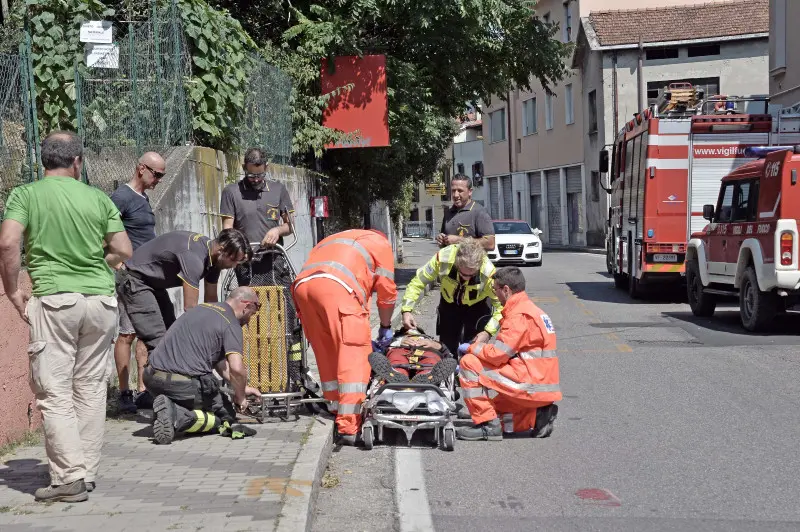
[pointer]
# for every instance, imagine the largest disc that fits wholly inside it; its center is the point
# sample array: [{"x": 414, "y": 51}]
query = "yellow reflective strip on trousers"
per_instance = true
[{"x": 201, "y": 420}]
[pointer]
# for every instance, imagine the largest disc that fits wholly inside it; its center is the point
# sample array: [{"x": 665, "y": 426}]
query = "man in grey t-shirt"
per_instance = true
[
  {"x": 179, "y": 372},
  {"x": 465, "y": 219}
]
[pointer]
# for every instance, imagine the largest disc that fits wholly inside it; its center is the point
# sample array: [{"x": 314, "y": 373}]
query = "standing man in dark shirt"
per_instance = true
[
  {"x": 465, "y": 219},
  {"x": 179, "y": 372},
  {"x": 179, "y": 258},
  {"x": 140, "y": 224}
]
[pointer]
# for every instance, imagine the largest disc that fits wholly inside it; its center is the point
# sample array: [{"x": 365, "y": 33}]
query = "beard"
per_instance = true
[{"x": 257, "y": 186}]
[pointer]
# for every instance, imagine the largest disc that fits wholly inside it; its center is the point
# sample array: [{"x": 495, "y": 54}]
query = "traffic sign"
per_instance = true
[{"x": 435, "y": 189}]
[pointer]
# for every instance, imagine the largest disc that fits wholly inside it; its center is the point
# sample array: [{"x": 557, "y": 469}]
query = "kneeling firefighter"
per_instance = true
[
  {"x": 515, "y": 375},
  {"x": 179, "y": 371},
  {"x": 465, "y": 274}
]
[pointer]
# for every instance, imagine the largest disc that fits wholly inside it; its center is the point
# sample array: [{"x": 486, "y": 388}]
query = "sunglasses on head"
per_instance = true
[{"x": 156, "y": 173}]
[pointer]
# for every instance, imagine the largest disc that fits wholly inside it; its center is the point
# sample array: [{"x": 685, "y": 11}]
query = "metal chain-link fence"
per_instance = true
[
  {"x": 133, "y": 100},
  {"x": 15, "y": 126}
]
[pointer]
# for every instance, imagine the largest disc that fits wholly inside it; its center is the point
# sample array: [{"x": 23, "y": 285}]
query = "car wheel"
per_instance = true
[
  {"x": 756, "y": 308},
  {"x": 701, "y": 303}
]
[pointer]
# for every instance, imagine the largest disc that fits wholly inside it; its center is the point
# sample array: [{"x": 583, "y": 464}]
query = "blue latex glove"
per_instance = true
[
  {"x": 463, "y": 348},
  {"x": 376, "y": 347},
  {"x": 385, "y": 336}
]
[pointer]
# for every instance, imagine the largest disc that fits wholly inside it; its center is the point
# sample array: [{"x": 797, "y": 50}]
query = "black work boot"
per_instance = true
[
  {"x": 72, "y": 492},
  {"x": 490, "y": 431},
  {"x": 125, "y": 404},
  {"x": 545, "y": 418},
  {"x": 163, "y": 420},
  {"x": 384, "y": 370},
  {"x": 438, "y": 374}
]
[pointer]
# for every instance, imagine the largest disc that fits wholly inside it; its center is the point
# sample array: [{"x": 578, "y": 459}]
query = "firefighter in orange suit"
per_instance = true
[
  {"x": 332, "y": 295},
  {"x": 514, "y": 376}
]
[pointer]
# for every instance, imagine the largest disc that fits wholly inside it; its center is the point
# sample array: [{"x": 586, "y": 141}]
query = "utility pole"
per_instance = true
[{"x": 640, "y": 77}]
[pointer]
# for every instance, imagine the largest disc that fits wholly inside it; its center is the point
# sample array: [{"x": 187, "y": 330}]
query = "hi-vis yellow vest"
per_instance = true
[{"x": 442, "y": 266}]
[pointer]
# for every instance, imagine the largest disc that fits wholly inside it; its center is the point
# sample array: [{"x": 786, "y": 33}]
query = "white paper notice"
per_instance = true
[
  {"x": 97, "y": 31},
  {"x": 102, "y": 55}
]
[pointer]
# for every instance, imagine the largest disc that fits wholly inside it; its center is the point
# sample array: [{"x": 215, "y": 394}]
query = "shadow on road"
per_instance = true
[
  {"x": 25, "y": 475},
  {"x": 402, "y": 276},
  {"x": 606, "y": 292},
  {"x": 727, "y": 321}
]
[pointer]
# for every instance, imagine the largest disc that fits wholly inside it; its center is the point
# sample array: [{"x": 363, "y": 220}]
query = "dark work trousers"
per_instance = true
[
  {"x": 150, "y": 309},
  {"x": 456, "y": 323},
  {"x": 199, "y": 405},
  {"x": 272, "y": 269}
]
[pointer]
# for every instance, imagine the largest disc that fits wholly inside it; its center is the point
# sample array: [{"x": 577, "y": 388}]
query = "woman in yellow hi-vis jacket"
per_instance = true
[{"x": 465, "y": 275}]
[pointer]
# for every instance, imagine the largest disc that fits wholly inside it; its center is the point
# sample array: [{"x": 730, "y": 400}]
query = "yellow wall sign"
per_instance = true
[{"x": 435, "y": 189}]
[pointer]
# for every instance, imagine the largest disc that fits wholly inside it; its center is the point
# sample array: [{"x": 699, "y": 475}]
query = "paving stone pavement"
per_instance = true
[{"x": 197, "y": 483}]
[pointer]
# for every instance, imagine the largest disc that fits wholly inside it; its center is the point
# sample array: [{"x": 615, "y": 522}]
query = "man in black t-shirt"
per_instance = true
[
  {"x": 179, "y": 258},
  {"x": 179, "y": 372}
]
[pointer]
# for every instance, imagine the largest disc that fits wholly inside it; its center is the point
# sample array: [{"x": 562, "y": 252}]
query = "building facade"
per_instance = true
[
  {"x": 541, "y": 150},
  {"x": 784, "y": 61}
]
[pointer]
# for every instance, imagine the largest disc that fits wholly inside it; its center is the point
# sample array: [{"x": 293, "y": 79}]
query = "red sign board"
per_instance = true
[{"x": 364, "y": 108}]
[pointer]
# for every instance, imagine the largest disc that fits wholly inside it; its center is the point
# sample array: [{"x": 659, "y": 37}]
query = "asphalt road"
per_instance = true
[{"x": 668, "y": 422}]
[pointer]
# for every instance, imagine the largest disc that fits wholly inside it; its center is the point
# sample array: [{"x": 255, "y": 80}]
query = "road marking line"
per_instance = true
[
  {"x": 624, "y": 348},
  {"x": 588, "y": 312},
  {"x": 544, "y": 299},
  {"x": 411, "y": 496},
  {"x": 612, "y": 336}
]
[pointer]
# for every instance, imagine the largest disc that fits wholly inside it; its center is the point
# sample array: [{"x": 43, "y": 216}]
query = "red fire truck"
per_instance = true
[{"x": 663, "y": 170}]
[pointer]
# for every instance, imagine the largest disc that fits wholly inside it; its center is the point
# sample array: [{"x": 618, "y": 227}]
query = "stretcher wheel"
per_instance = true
[
  {"x": 368, "y": 435},
  {"x": 449, "y": 440}
]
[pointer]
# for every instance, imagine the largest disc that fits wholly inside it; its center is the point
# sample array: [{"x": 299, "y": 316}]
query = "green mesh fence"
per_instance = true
[
  {"x": 133, "y": 99},
  {"x": 15, "y": 126},
  {"x": 267, "y": 118}
]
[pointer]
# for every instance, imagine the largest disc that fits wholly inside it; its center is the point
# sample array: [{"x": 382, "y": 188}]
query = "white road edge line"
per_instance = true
[{"x": 410, "y": 493}]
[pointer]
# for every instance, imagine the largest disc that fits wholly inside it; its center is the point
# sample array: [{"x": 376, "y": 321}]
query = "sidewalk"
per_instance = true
[{"x": 267, "y": 482}]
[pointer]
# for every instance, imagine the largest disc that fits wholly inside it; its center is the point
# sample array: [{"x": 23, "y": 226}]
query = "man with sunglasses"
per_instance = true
[
  {"x": 180, "y": 371},
  {"x": 467, "y": 297},
  {"x": 140, "y": 224}
]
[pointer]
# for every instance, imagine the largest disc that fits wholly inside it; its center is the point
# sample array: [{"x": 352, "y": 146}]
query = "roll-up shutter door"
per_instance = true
[{"x": 554, "y": 228}]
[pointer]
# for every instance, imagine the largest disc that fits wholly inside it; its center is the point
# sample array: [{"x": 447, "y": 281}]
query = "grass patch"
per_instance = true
[
  {"x": 329, "y": 480},
  {"x": 5, "y": 509},
  {"x": 28, "y": 439},
  {"x": 307, "y": 434}
]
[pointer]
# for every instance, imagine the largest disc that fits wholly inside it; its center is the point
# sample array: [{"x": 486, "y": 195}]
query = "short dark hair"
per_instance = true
[
  {"x": 255, "y": 156},
  {"x": 232, "y": 242},
  {"x": 512, "y": 277},
  {"x": 463, "y": 177},
  {"x": 60, "y": 148}
]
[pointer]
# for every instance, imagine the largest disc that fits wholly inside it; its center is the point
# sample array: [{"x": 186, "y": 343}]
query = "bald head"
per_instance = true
[
  {"x": 243, "y": 293},
  {"x": 244, "y": 302},
  {"x": 150, "y": 169}
]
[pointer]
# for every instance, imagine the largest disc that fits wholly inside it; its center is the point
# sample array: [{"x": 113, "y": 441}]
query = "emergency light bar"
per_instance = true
[{"x": 759, "y": 152}]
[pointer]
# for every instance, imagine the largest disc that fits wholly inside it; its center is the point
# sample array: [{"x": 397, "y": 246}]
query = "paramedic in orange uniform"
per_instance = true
[
  {"x": 332, "y": 295},
  {"x": 516, "y": 374}
]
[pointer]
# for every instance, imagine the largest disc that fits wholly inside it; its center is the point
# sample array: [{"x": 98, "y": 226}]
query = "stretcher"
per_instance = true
[
  {"x": 409, "y": 407},
  {"x": 274, "y": 347}
]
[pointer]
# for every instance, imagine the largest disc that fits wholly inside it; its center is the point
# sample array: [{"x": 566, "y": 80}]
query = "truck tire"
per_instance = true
[
  {"x": 756, "y": 308},
  {"x": 634, "y": 287},
  {"x": 610, "y": 257},
  {"x": 620, "y": 281},
  {"x": 702, "y": 304}
]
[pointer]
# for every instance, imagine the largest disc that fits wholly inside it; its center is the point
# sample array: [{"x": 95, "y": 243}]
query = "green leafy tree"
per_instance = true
[{"x": 440, "y": 55}]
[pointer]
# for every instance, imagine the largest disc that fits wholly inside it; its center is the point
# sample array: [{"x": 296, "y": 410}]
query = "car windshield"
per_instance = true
[{"x": 512, "y": 228}]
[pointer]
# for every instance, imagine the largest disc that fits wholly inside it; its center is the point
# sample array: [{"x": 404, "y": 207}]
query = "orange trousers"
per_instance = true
[
  {"x": 516, "y": 414},
  {"x": 337, "y": 327}
]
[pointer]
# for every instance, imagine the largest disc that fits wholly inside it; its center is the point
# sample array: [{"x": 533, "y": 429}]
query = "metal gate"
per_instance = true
[
  {"x": 556, "y": 232},
  {"x": 508, "y": 197},
  {"x": 494, "y": 198},
  {"x": 574, "y": 203}
]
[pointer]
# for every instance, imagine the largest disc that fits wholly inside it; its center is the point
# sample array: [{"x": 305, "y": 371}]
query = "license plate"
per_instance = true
[
  {"x": 512, "y": 252},
  {"x": 665, "y": 257}
]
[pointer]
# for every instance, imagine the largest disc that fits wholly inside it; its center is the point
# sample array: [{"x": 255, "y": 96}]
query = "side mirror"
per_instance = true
[
  {"x": 537, "y": 231},
  {"x": 603, "y": 161},
  {"x": 708, "y": 212}
]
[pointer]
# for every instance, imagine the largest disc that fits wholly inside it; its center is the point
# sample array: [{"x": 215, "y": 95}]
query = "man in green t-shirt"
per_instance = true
[{"x": 73, "y": 237}]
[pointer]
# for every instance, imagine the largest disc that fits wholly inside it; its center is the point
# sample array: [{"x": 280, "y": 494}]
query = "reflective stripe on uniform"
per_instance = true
[
  {"x": 349, "y": 409},
  {"x": 521, "y": 386},
  {"x": 342, "y": 268},
  {"x": 491, "y": 393},
  {"x": 333, "y": 406},
  {"x": 508, "y": 422},
  {"x": 352, "y": 387},
  {"x": 538, "y": 353},
  {"x": 211, "y": 420},
  {"x": 201, "y": 420},
  {"x": 492, "y": 326},
  {"x": 383, "y": 272},
  {"x": 356, "y": 245},
  {"x": 468, "y": 376},
  {"x": 330, "y": 386},
  {"x": 429, "y": 272},
  {"x": 502, "y": 346},
  {"x": 471, "y": 393}
]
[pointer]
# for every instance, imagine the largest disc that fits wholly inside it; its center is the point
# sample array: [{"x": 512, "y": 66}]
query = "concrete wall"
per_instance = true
[
  {"x": 593, "y": 142},
  {"x": 16, "y": 397},
  {"x": 784, "y": 80}
]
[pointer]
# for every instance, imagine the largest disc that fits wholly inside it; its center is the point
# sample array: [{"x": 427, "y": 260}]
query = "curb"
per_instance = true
[
  {"x": 579, "y": 249},
  {"x": 298, "y": 511}
]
